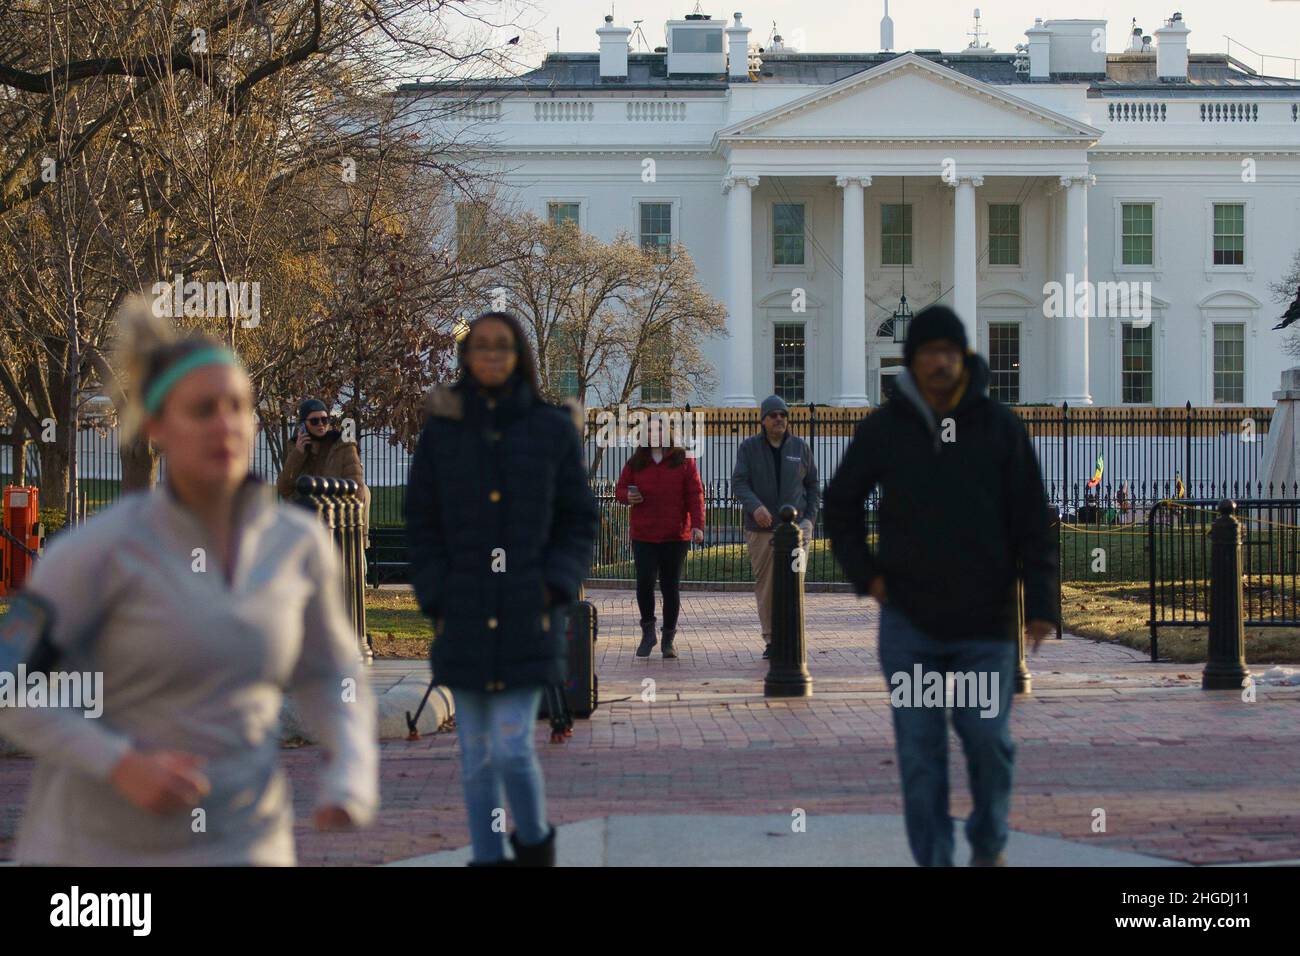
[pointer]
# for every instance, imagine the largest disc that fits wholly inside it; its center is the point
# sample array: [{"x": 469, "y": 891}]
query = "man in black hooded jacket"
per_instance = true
[{"x": 961, "y": 509}]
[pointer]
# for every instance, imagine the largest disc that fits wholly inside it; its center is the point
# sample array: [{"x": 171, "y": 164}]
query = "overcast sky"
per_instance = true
[{"x": 1270, "y": 27}]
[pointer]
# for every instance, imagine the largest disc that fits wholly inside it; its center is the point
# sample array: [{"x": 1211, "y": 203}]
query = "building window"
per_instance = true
[
  {"x": 788, "y": 360},
  {"x": 558, "y": 213},
  {"x": 1004, "y": 234},
  {"x": 787, "y": 234},
  {"x": 1137, "y": 375},
  {"x": 564, "y": 365},
  {"x": 1229, "y": 234},
  {"x": 1230, "y": 362},
  {"x": 1004, "y": 361},
  {"x": 890, "y": 366},
  {"x": 896, "y": 234},
  {"x": 471, "y": 220},
  {"x": 1137, "y": 233},
  {"x": 656, "y": 227}
]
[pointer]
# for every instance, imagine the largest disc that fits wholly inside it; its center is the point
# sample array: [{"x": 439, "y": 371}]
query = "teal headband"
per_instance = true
[{"x": 216, "y": 355}]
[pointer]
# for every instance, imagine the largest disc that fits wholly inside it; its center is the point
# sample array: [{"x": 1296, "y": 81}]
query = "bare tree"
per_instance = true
[{"x": 217, "y": 141}]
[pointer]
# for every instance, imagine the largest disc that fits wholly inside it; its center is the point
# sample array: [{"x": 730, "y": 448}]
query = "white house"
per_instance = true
[{"x": 813, "y": 189}]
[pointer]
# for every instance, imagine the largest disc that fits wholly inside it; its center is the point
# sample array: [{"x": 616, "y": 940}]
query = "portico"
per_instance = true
[{"x": 853, "y": 149}]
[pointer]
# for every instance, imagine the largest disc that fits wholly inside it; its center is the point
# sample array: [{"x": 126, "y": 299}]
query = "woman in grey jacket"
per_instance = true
[{"x": 198, "y": 604}]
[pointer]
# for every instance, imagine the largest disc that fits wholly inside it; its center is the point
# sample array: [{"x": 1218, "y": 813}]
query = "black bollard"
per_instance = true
[
  {"x": 1226, "y": 667},
  {"x": 1054, "y": 530},
  {"x": 338, "y": 508},
  {"x": 357, "y": 577},
  {"x": 787, "y": 675},
  {"x": 1024, "y": 679}
]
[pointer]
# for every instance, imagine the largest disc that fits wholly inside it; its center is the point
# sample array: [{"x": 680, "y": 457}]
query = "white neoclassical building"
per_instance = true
[{"x": 814, "y": 190}]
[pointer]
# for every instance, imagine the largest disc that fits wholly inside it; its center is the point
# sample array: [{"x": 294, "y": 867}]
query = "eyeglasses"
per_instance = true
[
  {"x": 502, "y": 349},
  {"x": 318, "y": 420},
  {"x": 777, "y": 415}
]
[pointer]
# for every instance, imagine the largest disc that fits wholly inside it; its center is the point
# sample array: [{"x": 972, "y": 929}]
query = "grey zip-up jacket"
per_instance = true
[
  {"x": 753, "y": 480},
  {"x": 191, "y": 663}
]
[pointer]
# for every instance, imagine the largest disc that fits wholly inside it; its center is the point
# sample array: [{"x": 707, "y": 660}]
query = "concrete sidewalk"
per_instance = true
[
  {"x": 840, "y": 840},
  {"x": 686, "y": 761}
]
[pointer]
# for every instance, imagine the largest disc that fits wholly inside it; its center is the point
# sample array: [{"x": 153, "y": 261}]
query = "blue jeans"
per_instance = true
[
  {"x": 921, "y": 735},
  {"x": 496, "y": 750}
]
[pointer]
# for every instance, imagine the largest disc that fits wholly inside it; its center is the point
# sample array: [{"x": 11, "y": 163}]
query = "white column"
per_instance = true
[
  {"x": 965, "y": 253},
  {"x": 738, "y": 376},
  {"x": 853, "y": 297},
  {"x": 1051, "y": 327},
  {"x": 1072, "y": 335}
]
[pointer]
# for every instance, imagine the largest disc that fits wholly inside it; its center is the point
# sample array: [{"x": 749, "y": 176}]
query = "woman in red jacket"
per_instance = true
[{"x": 663, "y": 487}]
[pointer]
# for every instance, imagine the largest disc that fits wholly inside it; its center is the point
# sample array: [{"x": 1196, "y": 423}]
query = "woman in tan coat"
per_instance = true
[{"x": 321, "y": 451}]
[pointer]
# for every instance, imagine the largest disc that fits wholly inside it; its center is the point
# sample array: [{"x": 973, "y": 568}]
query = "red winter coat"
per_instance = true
[{"x": 674, "y": 500}]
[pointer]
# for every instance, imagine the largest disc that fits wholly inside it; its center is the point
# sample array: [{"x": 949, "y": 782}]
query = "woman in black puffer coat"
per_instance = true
[{"x": 501, "y": 525}]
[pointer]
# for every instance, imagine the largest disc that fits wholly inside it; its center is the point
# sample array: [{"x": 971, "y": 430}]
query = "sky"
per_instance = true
[{"x": 1270, "y": 27}]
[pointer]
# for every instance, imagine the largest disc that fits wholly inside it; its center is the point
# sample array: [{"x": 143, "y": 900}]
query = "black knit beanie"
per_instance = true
[
  {"x": 933, "y": 322},
  {"x": 309, "y": 406}
]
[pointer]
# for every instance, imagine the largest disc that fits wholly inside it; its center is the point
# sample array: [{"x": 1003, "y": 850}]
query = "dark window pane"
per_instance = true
[
  {"x": 788, "y": 360},
  {"x": 1004, "y": 361}
]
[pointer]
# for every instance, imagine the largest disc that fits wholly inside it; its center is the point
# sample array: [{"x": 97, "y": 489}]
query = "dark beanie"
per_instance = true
[
  {"x": 773, "y": 403},
  {"x": 933, "y": 322},
  {"x": 309, "y": 406}
]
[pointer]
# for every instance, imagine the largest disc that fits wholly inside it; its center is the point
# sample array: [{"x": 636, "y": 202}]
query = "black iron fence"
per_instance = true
[
  {"x": 1179, "y": 562},
  {"x": 1146, "y": 455}
]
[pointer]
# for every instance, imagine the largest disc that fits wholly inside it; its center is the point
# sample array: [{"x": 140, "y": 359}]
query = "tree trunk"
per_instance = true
[
  {"x": 54, "y": 473},
  {"x": 20, "y": 463},
  {"x": 139, "y": 466}
]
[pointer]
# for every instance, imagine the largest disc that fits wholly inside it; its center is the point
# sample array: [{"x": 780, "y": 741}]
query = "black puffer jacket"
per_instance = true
[
  {"x": 960, "y": 504},
  {"x": 501, "y": 524}
]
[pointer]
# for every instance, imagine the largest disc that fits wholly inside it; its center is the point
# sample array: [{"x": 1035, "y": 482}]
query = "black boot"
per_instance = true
[
  {"x": 647, "y": 638},
  {"x": 669, "y": 634},
  {"x": 539, "y": 854}
]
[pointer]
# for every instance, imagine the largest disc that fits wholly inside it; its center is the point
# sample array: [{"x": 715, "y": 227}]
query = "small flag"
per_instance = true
[{"x": 1097, "y": 471}]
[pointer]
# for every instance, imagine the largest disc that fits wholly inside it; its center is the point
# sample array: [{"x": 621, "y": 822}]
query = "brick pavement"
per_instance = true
[{"x": 1181, "y": 774}]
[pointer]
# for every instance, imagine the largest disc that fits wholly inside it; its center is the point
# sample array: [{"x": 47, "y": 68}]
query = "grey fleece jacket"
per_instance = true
[
  {"x": 753, "y": 480},
  {"x": 192, "y": 663}
]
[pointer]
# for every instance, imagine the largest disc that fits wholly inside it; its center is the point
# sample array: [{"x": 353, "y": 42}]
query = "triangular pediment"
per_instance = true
[{"x": 910, "y": 98}]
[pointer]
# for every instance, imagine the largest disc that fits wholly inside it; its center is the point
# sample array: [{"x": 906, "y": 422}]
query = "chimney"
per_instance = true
[
  {"x": 1171, "y": 50},
  {"x": 737, "y": 49},
  {"x": 1040, "y": 45},
  {"x": 613, "y": 51},
  {"x": 886, "y": 30}
]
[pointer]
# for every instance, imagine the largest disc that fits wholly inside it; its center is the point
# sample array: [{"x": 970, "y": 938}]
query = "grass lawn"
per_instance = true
[
  {"x": 1118, "y": 612},
  {"x": 395, "y": 625},
  {"x": 386, "y": 501}
]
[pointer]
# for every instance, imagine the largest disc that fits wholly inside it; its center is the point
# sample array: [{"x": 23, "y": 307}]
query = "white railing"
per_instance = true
[
  {"x": 487, "y": 110},
  {"x": 564, "y": 111},
  {"x": 656, "y": 110},
  {"x": 1231, "y": 112},
  {"x": 1126, "y": 111}
]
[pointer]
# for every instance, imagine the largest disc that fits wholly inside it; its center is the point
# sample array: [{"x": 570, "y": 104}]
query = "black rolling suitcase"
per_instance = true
[{"x": 576, "y": 697}]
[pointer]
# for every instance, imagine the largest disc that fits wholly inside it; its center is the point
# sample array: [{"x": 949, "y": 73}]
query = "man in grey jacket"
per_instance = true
[{"x": 773, "y": 468}]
